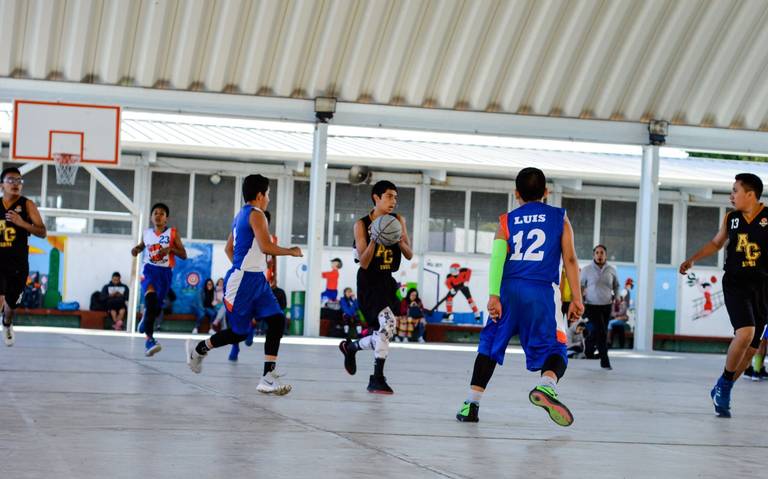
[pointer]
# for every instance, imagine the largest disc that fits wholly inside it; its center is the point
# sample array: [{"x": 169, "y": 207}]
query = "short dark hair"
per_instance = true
[
  {"x": 600, "y": 246},
  {"x": 116, "y": 273},
  {"x": 751, "y": 182},
  {"x": 338, "y": 260},
  {"x": 380, "y": 188},
  {"x": 531, "y": 184},
  {"x": 253, "y": 185},
  {"x": 163, "y": 207},
  {"x": 10, "y": 169}
]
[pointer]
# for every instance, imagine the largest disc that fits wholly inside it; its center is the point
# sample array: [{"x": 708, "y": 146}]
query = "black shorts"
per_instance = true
[
  {"x": 376, "y": 293},
  {"x": 746, "y": 304},
  {"x": 13, "y": 278},
  {"x": 115, "y": 304}
]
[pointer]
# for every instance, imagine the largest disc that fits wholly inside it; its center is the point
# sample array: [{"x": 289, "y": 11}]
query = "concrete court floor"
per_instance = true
[{"x": 92, "y": 406}]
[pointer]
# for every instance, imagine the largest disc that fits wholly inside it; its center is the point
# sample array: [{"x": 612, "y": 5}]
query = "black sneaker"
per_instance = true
[
  {"x": 750, "y": 373},
  {"x": 349, "y": 356},
  {"x": 468, "y": 412},
  {"x": 378, "y": 385},
  {"x": 763, "y": 374}
]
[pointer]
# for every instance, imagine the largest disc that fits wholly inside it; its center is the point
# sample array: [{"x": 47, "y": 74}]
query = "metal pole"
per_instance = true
[
  {"x": 646, "y": 264},
  {"x": 314, "y": 253}
]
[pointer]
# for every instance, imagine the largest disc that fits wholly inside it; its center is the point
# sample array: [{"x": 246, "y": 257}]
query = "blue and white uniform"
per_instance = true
[
  {"x": 530, "y": 292},
  {"x": 158, "y": 270},
  {"x": 247, "y": 294}
]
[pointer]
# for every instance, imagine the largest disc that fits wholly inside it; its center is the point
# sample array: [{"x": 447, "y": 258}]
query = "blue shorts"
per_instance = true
[
  {"x": 247, "y": 296},
  {"x": 159, "y": 278},
  {"x": 329, "y": 295},
  {"x": 531, "y": 310}
]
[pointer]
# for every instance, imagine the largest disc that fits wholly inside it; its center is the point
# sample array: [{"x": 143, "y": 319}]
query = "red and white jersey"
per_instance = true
[{"x": 154, "y": 243}]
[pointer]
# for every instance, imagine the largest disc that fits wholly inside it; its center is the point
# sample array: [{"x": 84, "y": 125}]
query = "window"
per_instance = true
[
  {"x": 701, "y": 226},
  {"x": 173, "y": 190},
  {"x": 664, "y": 235},
  {"x": 617, "y": 229},
  {"x": 75, "y": 196},
  {"x": 214, "y": 206},
  {"x": 105, "y": 201},
  {"x": 484, "y": 212},
  {"x": 300, "y": 226},
  {"x": 581, "y": 214},
  {"x": 446, "y": 221},
  {"x": 272, "y": 208},
  {"x": 354, "y": 201}
]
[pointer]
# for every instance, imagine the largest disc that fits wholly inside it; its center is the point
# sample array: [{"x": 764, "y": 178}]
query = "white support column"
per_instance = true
[
  {"x": 314, "y": 253},
  {"x": 646, "y": 264},
  {"x": 141, "y": 186},
  {"x": 331, "y": 210},
  {"x": 420, "y": 222},
  {"x": 191, "y": 206},
  {"x": 598, "y": 217},
  {"x": 284, "y": 210}
]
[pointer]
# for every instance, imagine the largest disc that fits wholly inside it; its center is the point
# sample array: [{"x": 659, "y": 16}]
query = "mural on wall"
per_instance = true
[
  {"x": 189, "y": 277},
  {"x": 701, "y": 308},
  {"x": 447, "y": 289},
  {"x": 45, "y": 285}
]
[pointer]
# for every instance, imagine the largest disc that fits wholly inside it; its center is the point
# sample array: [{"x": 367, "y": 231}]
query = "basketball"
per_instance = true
[{"x": 386, "y": 230}]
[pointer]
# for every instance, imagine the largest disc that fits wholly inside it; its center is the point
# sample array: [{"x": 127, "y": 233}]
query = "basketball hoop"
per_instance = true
[{"x": 66, "y": 167}]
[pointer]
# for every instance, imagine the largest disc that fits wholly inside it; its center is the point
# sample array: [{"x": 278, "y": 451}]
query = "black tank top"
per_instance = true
[
  {"x": 746, "y": 256},
  {"x": 14, "y": 248},
  {"x": 386, "y": 259}
]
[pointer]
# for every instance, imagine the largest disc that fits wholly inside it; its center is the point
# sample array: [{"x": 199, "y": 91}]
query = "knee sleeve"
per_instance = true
[
  {"x": 152, "y": 304},
  {"x": 275, "y": 326},
  {"x": 483, "y": 370},
  {"x": 387, "y": 323},
  {"x": 556, "y": 364},
  {"x": 380, "y": 346},
  {"x": 222, "y": 338}
]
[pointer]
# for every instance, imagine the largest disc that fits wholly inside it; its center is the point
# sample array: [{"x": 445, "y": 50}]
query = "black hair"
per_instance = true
[
  {"x": 209, "y": 280},
  {"x": 163, "y": 207},
  {"x": 268, "y": 215},
  {"x": 751, "y": 182},
  {"x": 411, "y": 290},
  {"x": 253, "y": 185},
  {"x": 600, "y": 246},
  {"x": 337, "y": 260},
  {"x": 380, "y": 188},
  {"x": 116, "y": 273},
  {"x": 531, "y": 184},
  {"x": 10, "y": 169},
  {"x": 348, "y": 289}
]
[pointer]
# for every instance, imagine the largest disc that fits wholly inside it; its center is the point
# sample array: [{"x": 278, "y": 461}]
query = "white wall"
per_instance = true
[{"x": 89, "y": 262}]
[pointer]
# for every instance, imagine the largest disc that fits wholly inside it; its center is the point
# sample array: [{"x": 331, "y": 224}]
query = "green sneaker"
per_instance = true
[
  {"x": 545, "y": 397},
  {"x": 468, "y": 412}
]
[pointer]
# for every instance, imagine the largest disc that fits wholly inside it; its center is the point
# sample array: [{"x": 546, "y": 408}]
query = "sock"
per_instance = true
[
  {"x": 202, "y": 348},
  {"x": 547, "y": 381},
  {"x": 269, "y": 366},
  {"x": 474, "y": 396},
  {"x": 757, "y": 362},
  {"x": 346, "y": 329},
  {"x": 728, "y": 375},
  {"x": 359, "y": 330},
  {"x": 378, "y": 368}
]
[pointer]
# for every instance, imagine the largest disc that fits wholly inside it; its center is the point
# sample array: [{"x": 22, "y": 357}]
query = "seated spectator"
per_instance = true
[
  {"x": 219, "y": 322},
  {"x": 115, "y": 295},
  {"x": 577, "y": 332},
  {"x": 350, "y": 313},
  {"x": 32, "y": 296},
  {"x": 207, "y": 309},
  {"x": 411, "y": 317},
  {"x": 618, "y": 325}
]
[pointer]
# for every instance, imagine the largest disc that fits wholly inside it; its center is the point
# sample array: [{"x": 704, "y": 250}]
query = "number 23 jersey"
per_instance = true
[{"x": 533, "y": 233}]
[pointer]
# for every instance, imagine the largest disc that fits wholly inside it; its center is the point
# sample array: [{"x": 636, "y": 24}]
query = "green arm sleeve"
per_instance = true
[{"x": 498, "y": 257}]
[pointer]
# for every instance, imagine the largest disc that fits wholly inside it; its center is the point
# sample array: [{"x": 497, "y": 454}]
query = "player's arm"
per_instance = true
[
  {"x": 138, "y": 248},
  {"x": 229, "y": 248},
  {"x": 177, "y": 248},
  {"x": 36, "y": 227},
  {"x": 571, "y": 264},
  {"x": 365, "y": 250},
  {"x": 260, "y": 228},
  {"x": 713, "y": 246},
  {"x": 498, "y": 257},
  {"x": 405, "y": 241}
]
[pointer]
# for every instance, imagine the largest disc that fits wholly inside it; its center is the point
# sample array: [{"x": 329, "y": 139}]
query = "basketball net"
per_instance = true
[{"x": 66, "y": 167}]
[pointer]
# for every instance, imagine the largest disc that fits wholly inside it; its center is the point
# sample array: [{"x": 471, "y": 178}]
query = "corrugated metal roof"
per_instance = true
[
  {"x": 240, "y": 140},
  {"x": 694, "y": 62}
]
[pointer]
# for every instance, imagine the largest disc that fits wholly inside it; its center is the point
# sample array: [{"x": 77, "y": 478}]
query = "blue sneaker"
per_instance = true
[
  {"x": 721, "y": 397},
  {"x": 141, "y": 325},
  {"x": 249, "y": 338},
  {"x": 234, "y": 352},
  {"x": 151, "y": 347}
]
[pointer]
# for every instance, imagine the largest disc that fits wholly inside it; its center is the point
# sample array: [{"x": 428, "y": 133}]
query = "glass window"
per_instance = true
[
  {"x": 272, "y": 208},
  {"x": 68, "y": 196},
  {"x": 173, "y": 190},
  {"x": 354, "y": 201},
  {"x": 213, "y": 207},
  {"x": 300, "y": 226},
  {"x": 581, "y": 214},
  {"x": 33, "y": 181},
  {"x": 664, "y": 235},
  {"x": 105, "y": 201},
  {"x": 701, "y": 225},
  {"x": 617, "y": 229},
  {"x": 446, "y": 221},
  {"x": 484, "y": 212}
]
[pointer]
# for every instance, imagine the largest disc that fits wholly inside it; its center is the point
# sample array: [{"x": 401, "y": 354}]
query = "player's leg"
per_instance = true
[
  {"x": 121, "y": 318},
  {"x": 152, "y": 308},
  {"x": 270, "y": 382},
  {"x": 601, "y": 331},
  {"x": 14, "y": 286}
]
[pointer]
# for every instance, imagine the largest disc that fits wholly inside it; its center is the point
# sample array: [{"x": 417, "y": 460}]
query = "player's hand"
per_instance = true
[
  {"x": 15, "y": 218},
  {"x": 135, "y": 251},
  {"x": 494, "y": 308},
  {"x": 453, "y": 292},
  {"x": 296, "y": 251},
  {"x": 685, "y": 266},
  {"x": 575, "y": 309},
  {"x": 163, "y": 252}
]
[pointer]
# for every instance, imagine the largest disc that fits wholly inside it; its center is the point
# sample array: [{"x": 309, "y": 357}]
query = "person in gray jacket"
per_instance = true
[{"x": 600, "y": 285}]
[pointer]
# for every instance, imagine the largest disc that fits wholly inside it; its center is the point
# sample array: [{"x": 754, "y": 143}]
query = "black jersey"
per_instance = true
[
  {"x": 746, "y": 256},
  {"x": 14, "y": 247},
  {"x": 386, "y": 259}
]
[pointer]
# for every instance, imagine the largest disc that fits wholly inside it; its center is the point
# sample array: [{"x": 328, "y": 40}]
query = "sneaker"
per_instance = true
[
  {"x": 234, "y": 353},
  {"x": 350, "y": 364},
  {"x": 546, "y": 398},
  {"x": 468, "y": 412},
  {"x": 405, "y": 339},
  {"x": 8, "y": 336},
  {"x": 721, "y": 397},
  {"x": 378, "y": 385},
  {"x": 750, "y": 373},
  {"x": 194, "y": 330},
  {"x": 763, "y": 374},
  {"x": 151, "y": 347},
  {"x": 119, "y": 325},
  {"x": 422, "y": 340},
  {"x": 270, "y": 384},
  {"x": 194, "y": 359}
]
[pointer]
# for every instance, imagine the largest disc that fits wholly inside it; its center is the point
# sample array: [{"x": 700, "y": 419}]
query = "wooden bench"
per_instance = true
[
  {"x": 72, "y": 319},
  {"x": 439, "y": 332}
]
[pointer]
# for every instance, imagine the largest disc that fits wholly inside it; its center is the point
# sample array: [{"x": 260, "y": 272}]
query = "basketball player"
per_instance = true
[
  {"x": 525, "y": 297},
  {"x": 163, "y": 245},
  {"x": 247, "y": 293},
  {"x": 376, "y": 288},
  {"x": 745, "y": 231},
  {"x": 19, "y": 218}
]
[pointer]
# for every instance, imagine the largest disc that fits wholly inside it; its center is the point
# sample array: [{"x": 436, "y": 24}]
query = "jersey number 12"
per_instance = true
[{"x": 532, "y": 253}]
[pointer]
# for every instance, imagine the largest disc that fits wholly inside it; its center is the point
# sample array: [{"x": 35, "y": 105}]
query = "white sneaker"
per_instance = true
[
  {"x": 270, "y": 384},
  {"x": 194, "y": 331},
  {"x": 421, "y": 340},
  {"x": 8, "y": 336},
  {"x": 194, "y": 359},
  {"x": 405, "y": 339}
]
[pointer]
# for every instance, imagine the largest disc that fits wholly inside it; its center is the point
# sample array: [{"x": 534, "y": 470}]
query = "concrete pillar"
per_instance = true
[
  {"x": 314, "y": 252},
  {"x": 646, "y": 263}
]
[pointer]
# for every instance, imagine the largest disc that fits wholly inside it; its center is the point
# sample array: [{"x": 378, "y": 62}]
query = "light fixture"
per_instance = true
[
  {"x": 215, "y": 179},
  {"x": 658, "y": 131},
  {"x": 325, "y": 107}
]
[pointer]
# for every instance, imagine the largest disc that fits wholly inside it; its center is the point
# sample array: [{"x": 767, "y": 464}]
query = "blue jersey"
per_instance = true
[
  {"x": 247, "y": 255},
  {"x": 533, "y": 233}
]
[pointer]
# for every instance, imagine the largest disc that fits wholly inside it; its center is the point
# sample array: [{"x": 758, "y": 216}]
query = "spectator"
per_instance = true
[
  {"x": 218, "y": 303},
  {"x": 208, "y": 310},
  {"x": 577, "y": 332},
  {"x": 115, "y": 295},
  {"x": 600, "y": 286},
  {"x": 619, "y": 324},
  {"x": 331, "y": 282},
  {"x": 350, "y": 314},
  {"x": 412, "y": 317},
  {"x": 32, "y": 296},
  {"x": 566, "y": 296}
]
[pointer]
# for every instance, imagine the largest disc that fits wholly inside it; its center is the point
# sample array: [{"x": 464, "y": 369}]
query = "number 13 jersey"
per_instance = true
[{"x": 533, "y": 233}]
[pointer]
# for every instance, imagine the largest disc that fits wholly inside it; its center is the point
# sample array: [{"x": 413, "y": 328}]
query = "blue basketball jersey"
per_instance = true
[
  {"x": 533, "y": 233},
  {"x": 247, "y": 255}
]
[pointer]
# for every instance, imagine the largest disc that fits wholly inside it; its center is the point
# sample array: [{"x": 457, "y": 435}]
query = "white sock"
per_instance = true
[
  {"x": 548, "y": 381},
  {"x": 474, "y": 396}
]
